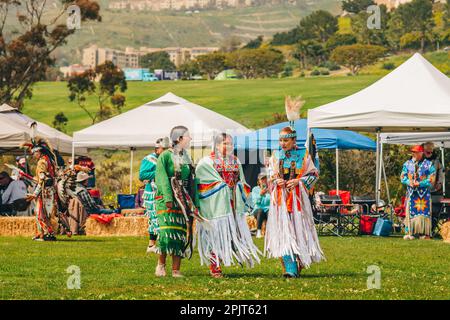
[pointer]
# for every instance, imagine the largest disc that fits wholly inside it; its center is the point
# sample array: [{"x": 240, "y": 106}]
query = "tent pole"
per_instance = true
[
  {"x": 377, "y": 170},
  {"x": 386, "y": 185},
  {"x": 73, "y": 155},
  {"x": 131, "y": 169},
  {"x": 443, "y": 166},
  {"x": 337, "y": 171}
]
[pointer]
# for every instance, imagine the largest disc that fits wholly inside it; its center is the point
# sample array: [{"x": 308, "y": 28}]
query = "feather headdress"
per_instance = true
[
  {"x": 42, "y": 145},
  {"x": 293, "y": 107}
]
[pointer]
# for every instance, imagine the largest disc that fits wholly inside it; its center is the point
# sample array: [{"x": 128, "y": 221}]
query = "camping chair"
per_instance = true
[
  {"x": 442, "y": 216},
  {"x": 326, "y": 215},
  {"x": 348, "y": 216}
]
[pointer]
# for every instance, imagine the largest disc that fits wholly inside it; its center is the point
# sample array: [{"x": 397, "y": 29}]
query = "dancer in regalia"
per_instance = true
[
  {"x": 147, "y": 175},
  {"x": 223, "y": 236},
  {"x": 290, "y": 230},
  {"x": 418, "y": 174},
  {"x": 46, "y": 209},
  {"x": 174, "y": 176}
]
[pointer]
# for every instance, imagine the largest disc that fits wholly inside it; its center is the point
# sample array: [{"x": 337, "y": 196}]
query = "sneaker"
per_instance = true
[
  {"x": 259, "y": 234},
  {"x": 177, "y": 274},
  {"x": 408, "y": 237},
  {"x": 37, "y": 238},
  {"x": 160, "y": 270}
]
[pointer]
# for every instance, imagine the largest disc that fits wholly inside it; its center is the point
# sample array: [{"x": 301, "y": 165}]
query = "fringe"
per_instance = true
[
  {"x": 292, "y": 234},
  {"x": 226, "y": 240}
]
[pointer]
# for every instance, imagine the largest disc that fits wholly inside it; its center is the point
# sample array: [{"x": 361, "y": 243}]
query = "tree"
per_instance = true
[
  {"x": 157, "y": 60},
  {"x": 417, "y": 16},
  {"x": 255, "y": 43},
  {"x": 309, "y": 52},
  {"x": 257, "y": 63},
  {"x": 189, "y": 69},
  {"x": 339, "y": 40},
  {"x": 365, "y": 35},
  {"x": 26, "y": 54},
  {"x": 211, "y": 64},
  {"x": 357, "y": 56},
  {"x": 111, "y": 80},
  {"x": 60, "y": 122},
  {"x": 356, "y": 6},
  {"x": 319, "y": 25}
]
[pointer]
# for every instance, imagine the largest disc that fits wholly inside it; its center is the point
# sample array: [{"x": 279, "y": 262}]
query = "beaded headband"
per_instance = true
[{"x": 288, "y": 135}]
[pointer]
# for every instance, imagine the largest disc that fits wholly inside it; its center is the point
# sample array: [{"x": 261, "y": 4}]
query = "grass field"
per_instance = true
[
  {"x": 117, "y": 268},
  {"x": 249, "y": 102}
]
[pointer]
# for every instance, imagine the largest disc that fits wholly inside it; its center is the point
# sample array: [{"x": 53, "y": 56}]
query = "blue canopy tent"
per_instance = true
[{"x": 267, "y": 139}]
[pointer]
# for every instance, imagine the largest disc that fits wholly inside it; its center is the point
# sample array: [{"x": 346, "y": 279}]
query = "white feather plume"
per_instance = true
[{"x": 293, "y": 106}]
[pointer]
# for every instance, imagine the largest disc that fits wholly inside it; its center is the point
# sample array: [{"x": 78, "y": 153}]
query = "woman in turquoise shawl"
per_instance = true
[{"x": 224, "y": 236}]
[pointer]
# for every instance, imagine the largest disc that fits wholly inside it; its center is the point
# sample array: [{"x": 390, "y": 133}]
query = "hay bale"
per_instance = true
[
  {"x": 18, "y": 226},
  {"x": 119, "y": 226},
  {"x": 133, "y": 212},
  {"x": 445, "y": 232}
]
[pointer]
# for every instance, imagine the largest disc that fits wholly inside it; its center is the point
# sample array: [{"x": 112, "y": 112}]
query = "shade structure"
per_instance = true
[
  {"x": 142, "y": 126},
  {"x": 413, "y": 97},
  {"x": 11, "y": 135},
  {"x": 267, "y": 138},
  {"x": 59, "y": 141},
  {"x": 441, "y": 139}
]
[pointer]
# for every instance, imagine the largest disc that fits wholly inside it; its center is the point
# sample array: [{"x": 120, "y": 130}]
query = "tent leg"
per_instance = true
[
  {"x": 337, "y": 171},
  {"x": 73, "y": 155},
  {"x": 131, "y": 170},
  {"x": 443, "y": 166},
  {"x": 386, "y": 185},
  {"x": 377, "y": 171}
]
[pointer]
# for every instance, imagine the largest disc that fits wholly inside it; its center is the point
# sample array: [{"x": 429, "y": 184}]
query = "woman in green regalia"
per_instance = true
[{"x": 173, "y": 163}]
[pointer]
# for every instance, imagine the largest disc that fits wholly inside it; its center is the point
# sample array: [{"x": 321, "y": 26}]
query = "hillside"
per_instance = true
[{"x": 120, "y": 29}]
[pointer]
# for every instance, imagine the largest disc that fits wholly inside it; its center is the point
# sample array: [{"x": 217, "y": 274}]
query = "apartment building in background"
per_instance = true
[{"x": 94, "y": 55}]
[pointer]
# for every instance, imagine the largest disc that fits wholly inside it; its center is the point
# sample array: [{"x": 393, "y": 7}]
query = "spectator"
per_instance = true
[
  {"x": 261, "y": 200},
  {"x": 430, "y": 155},
  {"x": 85, "y": 198},
  {"x": 13, "y": 190}
]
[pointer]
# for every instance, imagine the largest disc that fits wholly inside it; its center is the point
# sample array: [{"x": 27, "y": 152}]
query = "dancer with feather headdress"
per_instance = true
[
  {"x": 290, "y": 230},
  {"x": 45, "y": 195}
]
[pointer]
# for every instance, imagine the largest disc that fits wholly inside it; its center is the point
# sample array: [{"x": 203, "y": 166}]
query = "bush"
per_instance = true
[
  {"x": 324, "y": 71},
  {"x": 388, "y": 66},
  {"x": 315, "y": 72},
  {"x": 330, "y": 65},
  {"x": 302, "y": 74}
]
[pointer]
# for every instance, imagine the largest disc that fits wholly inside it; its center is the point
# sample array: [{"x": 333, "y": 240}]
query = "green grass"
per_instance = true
[
  {"x": 117, "y": 268},
  {"x": 249, "y": 102}
]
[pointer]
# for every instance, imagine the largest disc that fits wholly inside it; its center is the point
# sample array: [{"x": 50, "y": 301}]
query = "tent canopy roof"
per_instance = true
[
  {"x": 142, "y": 126},
  {"x": 440, "y": 139},
  {"x": 413, "y": 97},
  {"x": 267, "y": 138},
  {"x": 59, "y": 141}
]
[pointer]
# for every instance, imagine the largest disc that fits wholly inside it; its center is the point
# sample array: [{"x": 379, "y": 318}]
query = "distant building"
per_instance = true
[
  {"x": 93, "y": 55},
  {"x": 73, "y": 70}
]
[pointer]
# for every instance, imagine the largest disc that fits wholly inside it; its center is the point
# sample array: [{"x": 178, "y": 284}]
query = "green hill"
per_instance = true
[{"x": 120, "y": 29}]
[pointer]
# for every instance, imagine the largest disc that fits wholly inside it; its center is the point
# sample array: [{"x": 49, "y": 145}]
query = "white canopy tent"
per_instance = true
[
  {"x": 413, "y": 97},
  {"x": 142, "y": 126},
  {"x": 59, "y": 141},
  {"x": 11, "y": 135},
  {"x": 440, "y": 139}
]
